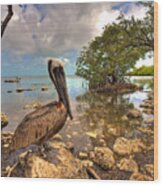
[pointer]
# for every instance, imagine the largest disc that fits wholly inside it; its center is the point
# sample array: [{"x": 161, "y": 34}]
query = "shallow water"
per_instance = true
[
  {"x": 99, "y": 109},
  {"x": 13, "y": 103}
]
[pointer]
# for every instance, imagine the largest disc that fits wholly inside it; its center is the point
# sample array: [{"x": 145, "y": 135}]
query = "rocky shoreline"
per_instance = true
[{"x": 122, "y": 157}]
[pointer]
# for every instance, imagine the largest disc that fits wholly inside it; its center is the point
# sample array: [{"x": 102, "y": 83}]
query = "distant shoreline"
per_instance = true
[{"x": 71, "y": 75}]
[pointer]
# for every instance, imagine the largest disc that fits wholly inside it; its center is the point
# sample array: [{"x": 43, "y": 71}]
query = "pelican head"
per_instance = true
[{"x": 57, "y": 75}]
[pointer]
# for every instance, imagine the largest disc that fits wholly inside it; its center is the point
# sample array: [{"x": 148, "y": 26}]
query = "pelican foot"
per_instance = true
[{"x": 43, "y": 149}]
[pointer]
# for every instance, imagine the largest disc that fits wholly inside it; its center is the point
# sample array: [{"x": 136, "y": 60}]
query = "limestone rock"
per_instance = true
[
  {"x": 123, "y": 146},
  {"x": 83, "y": 155},
  {"x": 149, "y": 121},
  {"x": 146, "y": 131},
  {"x": 150, "y": 169},
  {"x": 128, "y": 165},
  {"x": 140, "y": 177},
  {"x": 134, "y": 113},
  {"x": 103, "y": 156},
  {"x": 33, "y": 105},
  {"x": 4, "y": 120},
  {"x": 113, "y": 131},
  {"x": 92, "y": 134},
  {"x": 34, "y": 166},
  {"x": 57, "y": 137},
  {"x": 135, "y": 122},
  {"x": 124, "y": 118}
]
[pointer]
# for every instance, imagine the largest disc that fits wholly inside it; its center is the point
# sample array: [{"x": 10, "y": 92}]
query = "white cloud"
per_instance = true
[
  {"x": 137, "y": 11},
  {"x": 63, "y": 27}
]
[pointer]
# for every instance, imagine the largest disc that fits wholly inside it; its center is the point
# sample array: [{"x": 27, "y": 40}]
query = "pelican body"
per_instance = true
[{"x": 40, "y": 125}]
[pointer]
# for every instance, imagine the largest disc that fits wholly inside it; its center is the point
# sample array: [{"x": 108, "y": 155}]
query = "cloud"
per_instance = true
[
  {"x": 58, "y": 30},
  {"x": 55, "y": 28}
]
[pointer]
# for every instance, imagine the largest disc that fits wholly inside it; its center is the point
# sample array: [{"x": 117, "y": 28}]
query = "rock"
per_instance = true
[
  {"x": 68, "y": 136},
  {"x": 128, "y": 165},
  {"x": 124, "y": 118},
  {"x": 25, "y": 89},
  {"x": 149, "y": 121},
  {"x": 123, "y": 146},
  {"x": 149, "y": 169},
  {"x": 103, "y": 157},
  {"x": 135, "y": 122},
  {"x": 91, "y": 124},
  {"x": 57, "y": 137},
  {"x": 113, "y": 131},
  {"x": 102, "y": 142},
  {"x": 33, "y": 105},
  {"x": 148, "y": 111},
  {"x": 134, "y": 113},
  {"x": 91, "y": 155},
  {"x": 34, "y": 166},
  {"x": 146, "y": 131},
  {"x": 56, "y": 144},
  {"x": 70, "y": 146},
  {"x": 147, "y": 105},
  {"x": 9, "y": 91},
  {"x": 92, "y": 134},
  {"x": 140, "y": 177},
  {"x": 83, "y": 155},
  {"x": 44, "y": 89},
  {"x": 6, "y": 145},
  {"x": 87, "y": 163},
  {"x": 4, "y": 120}
]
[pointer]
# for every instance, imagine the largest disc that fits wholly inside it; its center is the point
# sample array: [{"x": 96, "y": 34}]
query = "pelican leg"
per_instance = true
[{"x": 43, "y": 148}]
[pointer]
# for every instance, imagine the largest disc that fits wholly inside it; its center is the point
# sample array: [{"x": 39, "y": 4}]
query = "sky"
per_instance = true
[{"x": 37, "y": 32}]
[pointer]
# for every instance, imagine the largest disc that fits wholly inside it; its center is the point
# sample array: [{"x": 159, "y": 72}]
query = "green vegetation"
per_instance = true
[
  {"x": 143, "y": 71},
  {"x": 109, "y": 57}
]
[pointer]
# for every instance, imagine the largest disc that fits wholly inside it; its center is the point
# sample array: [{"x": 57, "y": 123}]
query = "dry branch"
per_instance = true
[{"x": 7, "y": 19}]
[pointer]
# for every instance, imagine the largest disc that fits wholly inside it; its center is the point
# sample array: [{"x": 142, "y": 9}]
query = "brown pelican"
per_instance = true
[{"x": 40, "y": 125}]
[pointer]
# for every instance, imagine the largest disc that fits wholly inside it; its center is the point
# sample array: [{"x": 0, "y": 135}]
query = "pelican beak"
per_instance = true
[{"x": 60, "y": 84}]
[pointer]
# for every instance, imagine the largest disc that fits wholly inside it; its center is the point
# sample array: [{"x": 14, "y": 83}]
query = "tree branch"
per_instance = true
[{"x": 7, "y": 19}]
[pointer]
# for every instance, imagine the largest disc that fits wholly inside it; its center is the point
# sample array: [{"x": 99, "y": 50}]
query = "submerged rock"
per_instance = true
[
  {"x": 134, "y": 113},
  {"x": 83, "y": 155},
  {"x": 128, "y": 165},
  {"x": 25, "y": 89},
  {"x": 146, "y": 131},
  {"x": 148, "y": 111},
  {"x": 135, "y": 122},
  {"x": 103, "y": 157},
  {"x": 140, "y": 177},
  {"x": 124, "y": 118},
  {"x": 92, "y": 134},
  {"x": 123, "y": 146},
  {"x": 44, "y": 89},
  {"x": 149, "y": 121},
  {"x": 4, "y": 120},
  {"x": 33, "y": 105},
  {"x": 149, "y": 169},
  {"x": 113, "y": 130}
]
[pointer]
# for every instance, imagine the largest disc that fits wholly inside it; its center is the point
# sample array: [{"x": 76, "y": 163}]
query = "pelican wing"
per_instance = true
[{"x": 39, "y": 125}]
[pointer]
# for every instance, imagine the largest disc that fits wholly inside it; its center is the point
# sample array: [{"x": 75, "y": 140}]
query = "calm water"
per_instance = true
[{"x": 13, "y": 103}]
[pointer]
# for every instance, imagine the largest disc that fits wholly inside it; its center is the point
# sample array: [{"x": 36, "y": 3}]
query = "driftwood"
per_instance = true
[
  {"x": 7, "y": 19},
  {"x": 39, "y": 125},
  {"x": 93, "y": 173}
]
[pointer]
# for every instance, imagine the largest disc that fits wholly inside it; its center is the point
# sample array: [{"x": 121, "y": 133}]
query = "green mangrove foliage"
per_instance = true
[
  {"x": 143, "y": 71},
  {"x": 109, "y": 57}
]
